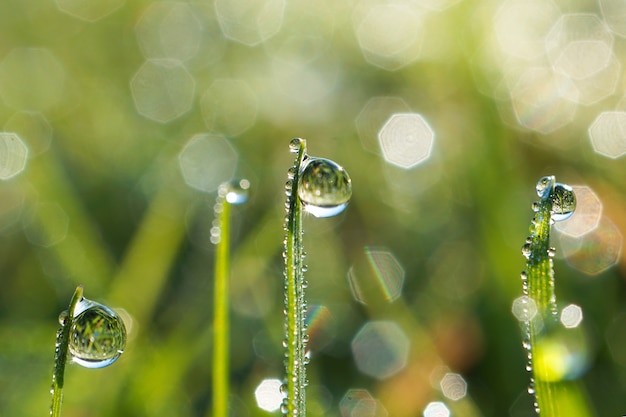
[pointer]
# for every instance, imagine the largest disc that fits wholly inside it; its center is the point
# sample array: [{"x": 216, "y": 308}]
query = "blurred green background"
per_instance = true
[{"x": 106, "y": 184}]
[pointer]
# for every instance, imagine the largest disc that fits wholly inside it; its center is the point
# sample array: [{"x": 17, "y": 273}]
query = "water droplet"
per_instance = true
[
  {"x": 551, "y": 252},
  {"x": 526, "y": 250},
  {"x": 63, "y": 317},
  {"x": 535, "y": 206},
  {"x": 294, "y": 145},
  {"x": 97, "y": 336},
  {"x": 544, "y": 186},
  {"x": 324, "y": 187},
  {"x": 237, "y": 193},
  {"x": 563, "y": 202}
]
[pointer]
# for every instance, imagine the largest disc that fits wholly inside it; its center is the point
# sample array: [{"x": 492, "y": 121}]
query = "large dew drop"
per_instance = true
[
  {"x": 97, "y": 336},
  {"x": 324, "y": 187},
  {"x": 563, "y": 202}
]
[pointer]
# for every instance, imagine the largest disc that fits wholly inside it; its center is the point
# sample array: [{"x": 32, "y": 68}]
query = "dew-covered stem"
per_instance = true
[
  {"x": 295, "y": 401},
  {"x": 554, "y": 396},
  {"x": 61, "y": 353},
  {"x": 228, "y": 194}
]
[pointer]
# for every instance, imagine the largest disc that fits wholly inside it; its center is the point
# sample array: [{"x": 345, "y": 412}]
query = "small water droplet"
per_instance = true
[
  {"x": 535, "y": 206},
  {"x": 238, "y": 192},
  {"x": 551, "y": 252},
  {"x": 563, "y": 202},
  {"x": 294, "y": 145},
  {"x": 324, "y": 187},
  {"x": 526, "y": 250},
  {"x": 97, "y": 336},
  {"x": 544, "y": 186},
  {"x": 63, "y": 317}
]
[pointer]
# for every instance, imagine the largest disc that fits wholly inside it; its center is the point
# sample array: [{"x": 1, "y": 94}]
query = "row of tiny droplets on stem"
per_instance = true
[
  {"x": 557, "y": 202},
  {"x": 296, "y": 337}
]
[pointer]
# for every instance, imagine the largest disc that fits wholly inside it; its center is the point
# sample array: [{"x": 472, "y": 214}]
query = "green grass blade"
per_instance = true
[
  {"x": 221, "y": 323},
  {"x": 60, "y": 355},
  {"x": 295, "y": 402},
  {"x": 555, "y": 396}
]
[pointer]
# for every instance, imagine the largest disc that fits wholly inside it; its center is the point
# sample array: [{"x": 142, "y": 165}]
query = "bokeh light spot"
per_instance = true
[
  {"x": 598, "y": 250},
  {"x": 48, "y": 232},
  {"x": 268, "y": 395},
  {"x": 453, "y": 386},
  {"x": 586, "y": 216},
  {"x": 376, "y": 275},
  {"x": 360, "y": 403},
  {"x": 163, "y": 90},
  {"x": 207, "y": 161},
  {"x": 229, "y": 106},
  {"x": 33, "y": 128},
  {"x": 521, "y": 25},
  {"x": 608, "y": 134},
  {"x": 89, "y": 10},
  {"x": 168, "y": 30},
  {"x": 579, "y": 45},
  {"x": 524, "y": 308},
  {"x": 380, "y": 349},
  {"x": 614, "y": 13},
  {"x": 543, "y": 100},
  {"x": 374, "y": 114},
  {"x": 436, "y": 409},
  {"x": 571, "y": 316},
  {"x": 31, "y": 79},
  {"x": 390, "y": 35},
  {"x": 13, "y": 155},
  {"x": 250, "y": 22},
  {"x": 599, "y": 85},
  {"x": 406, "y": 140}
]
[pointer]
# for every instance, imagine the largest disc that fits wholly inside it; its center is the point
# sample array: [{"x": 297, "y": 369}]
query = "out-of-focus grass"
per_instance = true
[{"x": 138, "y": 236}]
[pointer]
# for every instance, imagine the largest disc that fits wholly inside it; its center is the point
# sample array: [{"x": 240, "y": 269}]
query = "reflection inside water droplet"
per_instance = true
[
  {"x": 294, "y": 145},
  {"x": 97, "y": 336},
  {"x": 563, "y": 202},
  {"x": 544, "y": 186},
  {"x": 324, "y": 187}
]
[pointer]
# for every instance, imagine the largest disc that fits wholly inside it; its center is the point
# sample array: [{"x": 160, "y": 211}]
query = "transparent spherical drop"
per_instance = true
[
  {"x": 544, "y": 186},
  {"x": 563, "y": 202},
  {"x": 324, "y": 187},
  {"x": 97, "y": 335},
  {"x": 294, "y": 145}
]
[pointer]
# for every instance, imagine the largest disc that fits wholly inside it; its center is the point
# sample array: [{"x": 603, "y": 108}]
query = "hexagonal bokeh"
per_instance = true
[
  {"x": 524, "y": 308},
  {"x": 34, "y": 128},
  {"x": 374, "y": 114},
  {"x": 406, "y": 140},
  {"x": 586, "y": 216},
  {"x": 250, "y": 22},
  {"x": 436, "y": 409},
  {"x": 453, "y": 386},
  {"x": 360, "y": 403},
  {"x": 31, "y": 79},
  {"x": 614, "y": 13},
  {"x": 268, "y": 396},
  {"x": 598, "y": 250},
  {"x": 571, "y": 316},
  {"x": 380, "y": 349},
  {"x": 608, "y": 134},
  {"x": 13, "y": 155},
  {"x": 207, "y": 161},
  {"x": 229, "y": 106},
  {"x": 377, "y": 275},
  {"x": 168, "y": 30},
  {"x": 162, "y": 90},
  {"x": 579, "y": 45},
  {"x": 521, "y": 25},
  {"x": 46, "y": 225},
  {"x": 390, "y": 35},
  {"x": 600, "y": 85},
  {"x": 543, "y": 100},
  {"x": 89, "y": 10}
]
